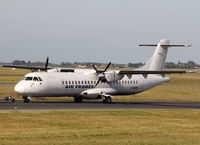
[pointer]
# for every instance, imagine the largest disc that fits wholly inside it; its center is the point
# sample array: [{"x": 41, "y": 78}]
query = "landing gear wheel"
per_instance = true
[
  {"x": 78, "y": 100},
  {"x": 13, "y": 100},
  {"x": 26, "y": 99},
  {"x": 107, "y": 100}
]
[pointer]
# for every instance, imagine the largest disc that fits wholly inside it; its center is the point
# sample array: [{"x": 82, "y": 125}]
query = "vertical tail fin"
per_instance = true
[{"x": 157, "y": 61}]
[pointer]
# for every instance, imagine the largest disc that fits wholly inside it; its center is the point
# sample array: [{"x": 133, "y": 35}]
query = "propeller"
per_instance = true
[
  {"x": 101, "y": 73},
  {"x": 46, "y": 64}
]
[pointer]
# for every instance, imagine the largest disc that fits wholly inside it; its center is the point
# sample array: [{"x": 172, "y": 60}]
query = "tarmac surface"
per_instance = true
[{"x": 93, "y": 105}]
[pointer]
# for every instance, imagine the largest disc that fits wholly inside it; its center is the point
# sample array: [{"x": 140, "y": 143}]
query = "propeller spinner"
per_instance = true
[{"x": 101, "y": 73}]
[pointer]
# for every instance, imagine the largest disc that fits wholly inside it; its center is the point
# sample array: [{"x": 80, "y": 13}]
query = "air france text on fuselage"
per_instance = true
[{"x": 78, "y": 86}]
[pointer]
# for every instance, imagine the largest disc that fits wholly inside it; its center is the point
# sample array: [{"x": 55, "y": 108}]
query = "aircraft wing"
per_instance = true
[
  {"x": 26, "y": 67},
  {"x": 38, "y": 68},
  {"x": 146, "y": 72}
]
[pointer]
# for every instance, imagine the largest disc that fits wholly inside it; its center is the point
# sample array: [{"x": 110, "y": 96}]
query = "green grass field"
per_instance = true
[{"x": 141, "y": 127}]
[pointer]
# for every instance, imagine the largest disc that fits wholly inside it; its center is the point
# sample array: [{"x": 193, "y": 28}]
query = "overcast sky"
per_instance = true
[{"x": 97, "y": 30}]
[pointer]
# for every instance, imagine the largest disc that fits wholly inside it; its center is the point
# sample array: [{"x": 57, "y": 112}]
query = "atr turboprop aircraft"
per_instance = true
[{"x": 93, "y": 83}]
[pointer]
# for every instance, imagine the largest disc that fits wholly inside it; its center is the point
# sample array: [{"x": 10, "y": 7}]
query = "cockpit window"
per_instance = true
[
  {"x": 32, "y": 79},
  {"x": 28, "y": 78},
  {"x": 35, "y": 79},
  {"x": 39, "y": 78}
]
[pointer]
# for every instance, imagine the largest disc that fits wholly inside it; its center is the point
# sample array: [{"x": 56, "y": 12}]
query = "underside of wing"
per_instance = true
[
  {"x": 145, "y": 73},
  {"x": 40, "y": 68},
  {"x": 150, "y": 72}
]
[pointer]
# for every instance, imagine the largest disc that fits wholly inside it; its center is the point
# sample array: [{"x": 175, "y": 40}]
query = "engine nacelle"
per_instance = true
[
  {"x": 53, "y": 70},
  {"x": 96, "y": 93},
  {"x": 91, "y": 94},
  {"x": 113, "y": 76}
]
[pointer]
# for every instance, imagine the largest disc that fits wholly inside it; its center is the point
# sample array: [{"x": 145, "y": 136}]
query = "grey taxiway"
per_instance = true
[{"x": 94, "y": 105}]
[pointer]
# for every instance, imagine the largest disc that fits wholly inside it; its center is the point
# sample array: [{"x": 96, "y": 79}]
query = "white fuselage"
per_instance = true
[{"x": 47, "y": 84}]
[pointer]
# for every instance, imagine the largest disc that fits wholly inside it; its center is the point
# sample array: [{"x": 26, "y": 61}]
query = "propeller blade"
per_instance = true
[
  {"x": 97, "y": 83},
  {"x": 108, "y": 83},
  {"x": 46, "y": 65},
  {"x": 102, "y": 74},
  {"x": 95, "y": 68},
  {"x": 107, "y": 67}
]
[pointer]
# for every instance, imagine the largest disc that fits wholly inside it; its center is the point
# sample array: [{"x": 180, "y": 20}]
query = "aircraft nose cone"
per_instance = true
[{"x": 19, "y": 89}]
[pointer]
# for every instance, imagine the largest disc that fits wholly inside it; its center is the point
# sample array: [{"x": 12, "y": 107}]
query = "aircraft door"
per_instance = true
[
  {"x": 140, "y": 83},
  {"x": 61, "y": 86}
]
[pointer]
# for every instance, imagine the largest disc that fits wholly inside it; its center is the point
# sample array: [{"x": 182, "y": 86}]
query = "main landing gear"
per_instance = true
[
  {"x": 78, "y": 100},
  {"x": 107, "y": 99},
  {"x": 27, "y": 99}
]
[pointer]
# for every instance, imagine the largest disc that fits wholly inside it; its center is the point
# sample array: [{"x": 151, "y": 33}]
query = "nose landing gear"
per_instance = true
[{"x": 9, "y": 98}]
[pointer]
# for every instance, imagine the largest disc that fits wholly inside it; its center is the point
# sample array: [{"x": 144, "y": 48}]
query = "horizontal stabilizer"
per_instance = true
[{"x": 165, "y": 45}]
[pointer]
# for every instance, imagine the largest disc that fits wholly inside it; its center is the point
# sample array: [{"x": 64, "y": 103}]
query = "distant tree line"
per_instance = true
[
  {"x": 29, "y": 63},
  {"x": 135, "y": 65},
  {"x": 189, "y": 65}
]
